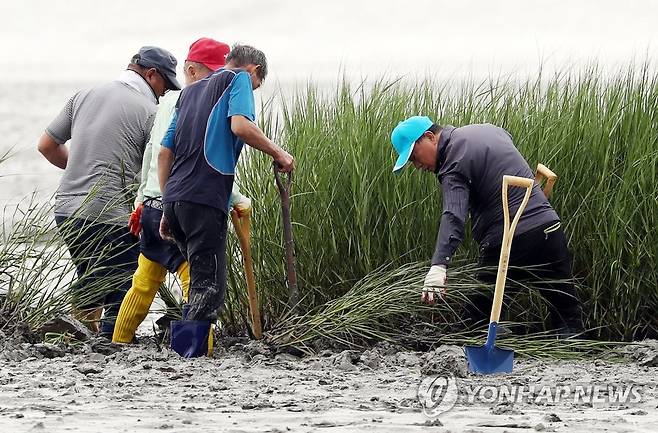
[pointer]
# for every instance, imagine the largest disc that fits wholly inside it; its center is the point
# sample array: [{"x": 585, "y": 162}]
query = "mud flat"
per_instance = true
[{"x": 97, "y": 387}]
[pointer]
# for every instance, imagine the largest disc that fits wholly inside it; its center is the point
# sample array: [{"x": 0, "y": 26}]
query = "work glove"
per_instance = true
[
  {"x": 434, "y": 286},
  {"x": 135, "y": 220},
  {"x": 241, "y": 204}
]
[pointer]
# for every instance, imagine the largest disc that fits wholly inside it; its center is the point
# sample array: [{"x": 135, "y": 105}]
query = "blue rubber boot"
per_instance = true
[{"x": 189, "y": 338}]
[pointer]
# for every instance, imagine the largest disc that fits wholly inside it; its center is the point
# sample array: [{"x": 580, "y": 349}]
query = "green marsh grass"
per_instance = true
[
  {"x": 353, "y": 217},
  {"x": 364, "y": 236},
  {"x": 38, "y": 280}
]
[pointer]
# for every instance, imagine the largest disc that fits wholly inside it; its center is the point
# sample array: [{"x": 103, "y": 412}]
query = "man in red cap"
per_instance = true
[
  {"x": 207, "y": 53},
  {"x": 157, "y": 256}
]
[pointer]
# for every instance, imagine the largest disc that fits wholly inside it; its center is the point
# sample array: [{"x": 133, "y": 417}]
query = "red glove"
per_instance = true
[{"x": 135, "y": 220}]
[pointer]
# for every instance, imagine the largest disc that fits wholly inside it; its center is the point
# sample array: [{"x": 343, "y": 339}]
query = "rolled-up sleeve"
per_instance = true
[{"x": 455, "y": 191}]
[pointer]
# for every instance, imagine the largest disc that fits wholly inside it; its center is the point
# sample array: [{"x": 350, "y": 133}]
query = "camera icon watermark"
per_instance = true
[{"x": 439, "y": 394}]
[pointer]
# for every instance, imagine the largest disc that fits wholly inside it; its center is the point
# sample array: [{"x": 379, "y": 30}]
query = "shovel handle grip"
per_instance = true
[
  {"x": 279, "y": 183},
  {"x": 521, "y": 182},
  {"x": 508, "y": 235},
  {"x": 544, "y": 172}
]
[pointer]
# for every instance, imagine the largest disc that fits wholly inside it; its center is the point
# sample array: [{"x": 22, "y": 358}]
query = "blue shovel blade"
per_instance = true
[{"x": 489, "y": 359}]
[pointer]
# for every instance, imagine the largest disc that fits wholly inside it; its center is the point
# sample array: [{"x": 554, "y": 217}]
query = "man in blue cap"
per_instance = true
[
  {"x": 469, "y": 163},
  {"x": 107, "y": 128}
]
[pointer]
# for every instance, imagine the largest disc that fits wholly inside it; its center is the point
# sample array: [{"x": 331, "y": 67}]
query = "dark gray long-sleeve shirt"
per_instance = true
[{"x": 472, "y": 161}]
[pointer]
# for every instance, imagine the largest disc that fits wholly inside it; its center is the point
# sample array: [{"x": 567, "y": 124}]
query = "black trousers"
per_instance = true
[
  {"x": 105, "y": 257},
  {"x": 200, "y": 232},
  {"x": 539, "y": 257}
]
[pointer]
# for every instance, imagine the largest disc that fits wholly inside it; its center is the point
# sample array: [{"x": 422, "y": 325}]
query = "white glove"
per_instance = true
[
  {"x": 241, "y": 203},
  {"x": 434, "y": 281}
]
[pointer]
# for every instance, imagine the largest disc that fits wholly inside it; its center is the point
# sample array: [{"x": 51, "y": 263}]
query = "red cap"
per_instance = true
[{"x": 208, "y": 52}]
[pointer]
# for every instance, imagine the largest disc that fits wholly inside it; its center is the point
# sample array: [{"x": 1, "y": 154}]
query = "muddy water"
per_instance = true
[{"x": 247, "y": 388}]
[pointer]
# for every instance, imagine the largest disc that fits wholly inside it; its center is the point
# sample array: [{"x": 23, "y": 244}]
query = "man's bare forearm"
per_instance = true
[
  {"x": 253, "y": 136},
  {"x": 57, "y": 154},
  {"x": 165, "y": 161}
]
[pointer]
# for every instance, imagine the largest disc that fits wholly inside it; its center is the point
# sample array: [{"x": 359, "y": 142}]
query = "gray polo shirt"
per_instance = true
[
  {"x": 108, "y": 127},
  {"x": 470, "y": 167}
]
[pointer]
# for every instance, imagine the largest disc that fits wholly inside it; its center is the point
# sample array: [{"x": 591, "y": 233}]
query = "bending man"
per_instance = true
[{"x": 470, "y": 162}]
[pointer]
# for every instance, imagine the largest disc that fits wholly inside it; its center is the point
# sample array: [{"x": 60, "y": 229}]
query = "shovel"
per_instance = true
[
  {"x": 489, "y": 359},
  {"x": 284, "y": 192},
  {"x": 242, "y": 228}
]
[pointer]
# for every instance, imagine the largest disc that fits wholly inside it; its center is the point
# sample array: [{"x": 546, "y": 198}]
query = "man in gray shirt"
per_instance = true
[
  {"x": 470, "y": 162},
  {"x": 107, "y": 128}
]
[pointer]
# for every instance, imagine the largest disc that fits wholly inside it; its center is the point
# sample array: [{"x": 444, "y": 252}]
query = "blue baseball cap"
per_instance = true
[{"x": 404, "y": 137}]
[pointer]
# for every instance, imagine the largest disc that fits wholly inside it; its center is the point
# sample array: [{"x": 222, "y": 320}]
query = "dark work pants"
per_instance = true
[
  {"x": 200, "y": 232},
  {"x": 540, "y": 258},
  {"x": 105, "y": 257}
]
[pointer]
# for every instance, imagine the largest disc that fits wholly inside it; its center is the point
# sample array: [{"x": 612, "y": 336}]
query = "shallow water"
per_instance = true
[{"x": 68, "y": 45}]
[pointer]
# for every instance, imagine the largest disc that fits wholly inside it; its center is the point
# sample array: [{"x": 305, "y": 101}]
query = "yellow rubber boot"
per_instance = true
[
  {"x": 211, "y": 341},
  {"x": 135, "y": 306},
  {"x": 183, "y": 273}
]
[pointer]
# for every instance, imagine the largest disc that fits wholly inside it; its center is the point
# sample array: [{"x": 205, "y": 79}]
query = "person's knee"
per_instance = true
[
  {"x": 204, "y": 269},
  {"x": 148, "y": 276}
]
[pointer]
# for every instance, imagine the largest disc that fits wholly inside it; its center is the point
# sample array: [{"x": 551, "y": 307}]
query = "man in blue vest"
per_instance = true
[
  {"x": 157, "y": 257},
  {"x": 213, "y": 119}
]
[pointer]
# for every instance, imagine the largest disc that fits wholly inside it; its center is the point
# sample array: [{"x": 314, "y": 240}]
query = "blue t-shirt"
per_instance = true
[{"x": 205, "y": 149}]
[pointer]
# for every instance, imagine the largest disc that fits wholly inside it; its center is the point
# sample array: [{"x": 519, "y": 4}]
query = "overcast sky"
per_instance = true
[{"x": 93, "y": 40}]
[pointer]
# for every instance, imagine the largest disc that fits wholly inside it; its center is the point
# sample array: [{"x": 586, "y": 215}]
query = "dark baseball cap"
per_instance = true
[{"x": 160, "y": 59}]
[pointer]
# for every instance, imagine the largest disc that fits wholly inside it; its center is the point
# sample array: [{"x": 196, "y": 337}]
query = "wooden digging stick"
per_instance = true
[
  {"x": 284, "y": 192},
  {"x": 242, "y": 229}
]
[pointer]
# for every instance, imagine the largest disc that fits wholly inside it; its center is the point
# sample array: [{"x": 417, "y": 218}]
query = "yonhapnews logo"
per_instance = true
[{"x": 439, "y": 394}]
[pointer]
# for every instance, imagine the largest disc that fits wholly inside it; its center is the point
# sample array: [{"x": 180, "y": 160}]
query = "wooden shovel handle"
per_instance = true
[
  {"x": 283, "y": 188},
  {"x": 242, "y": 229},
  {"x": 508, "y": 235},
  {"x": 544, "y": 172}
]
